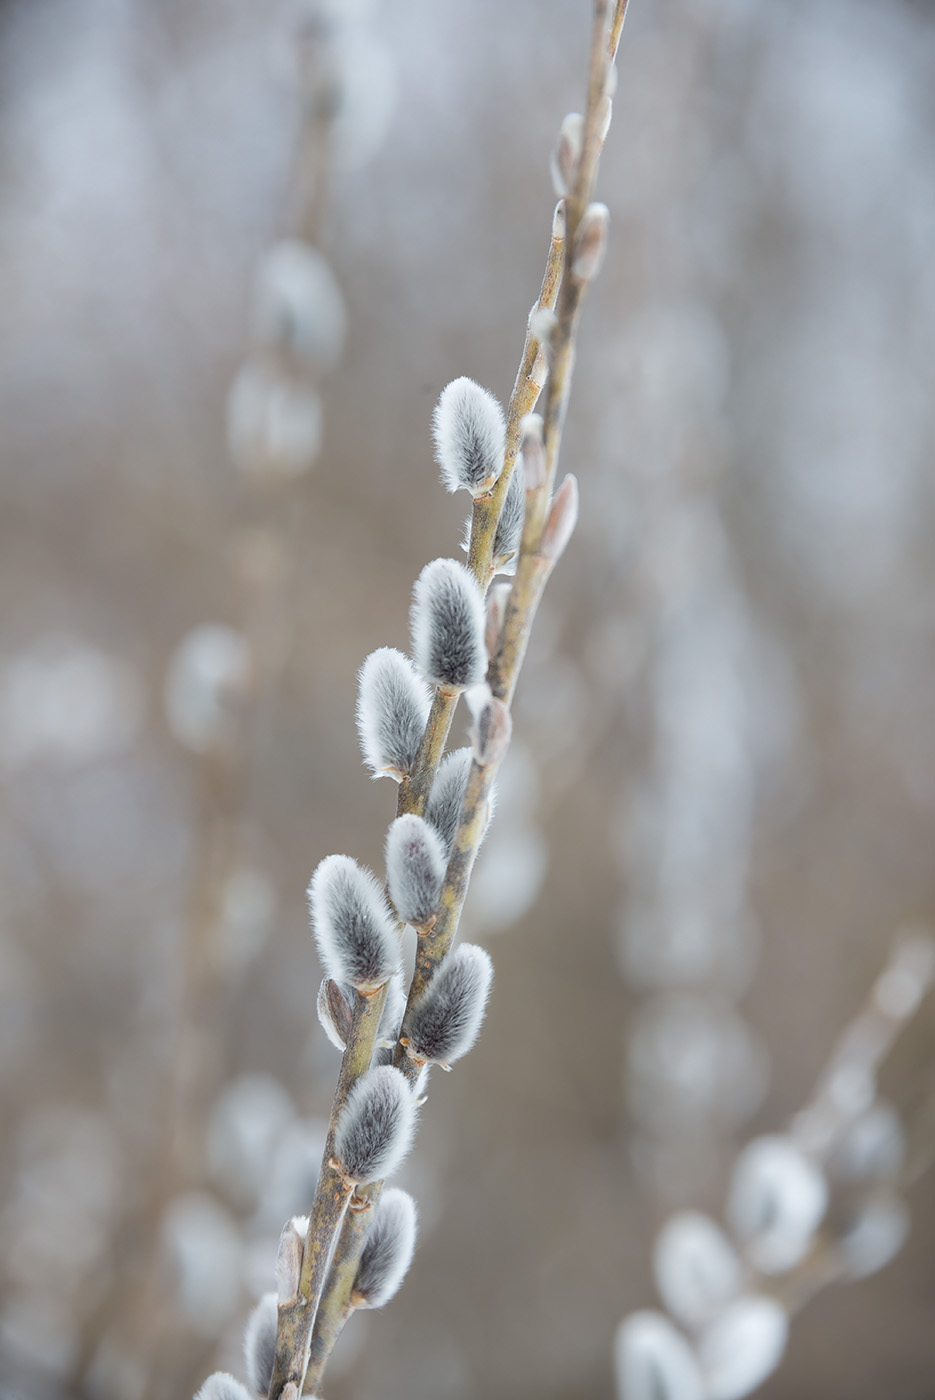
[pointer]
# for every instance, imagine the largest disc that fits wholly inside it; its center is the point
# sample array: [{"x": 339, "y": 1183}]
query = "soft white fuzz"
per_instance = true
[
  {"x": 392, "y": 709},
  {"x": 443, "y": 809},
  {"x": 445, "y": 1023},
  {"x": 388, "y": 1252},
  {"x": 415, "y": 868},
  {"x": 654, "y": 1361},
  {"x": 259, "y": 1343},
  {"x": 354, "y": 929},
  {"x": 742, "y": 1346},
  {"x": 776, "y": 1201},
  {"x": 696, "y": 1266},
  {"x": 394, "y": 1008},
  {"x": 375, "y": 1126},
  {"x": 447, "y": 621},
  {"x": 470, "y": 437},
  {"x": 222, "y": 1386},
  {"x": 510, "y": 525}
]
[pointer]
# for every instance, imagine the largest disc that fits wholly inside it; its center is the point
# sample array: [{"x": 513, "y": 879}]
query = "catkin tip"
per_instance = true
[
  {"x": 590, "y": 242},
  {"x": 388, "y": 1252},
  {"x": 222, "y": 1386},
  {"x": 447, "y": 621},
  {"x": 445, "y": 1023},
  {"x": 354, "y": 929},
  {"x": 470, "y": 437},
  {"x": 259, "y": 1343},
  {"x": 375, "y": 1127},
  {"x": 415, "y": 868},
  {"x": 392, "y": 709},
  {"x": 567, "y": 153}
]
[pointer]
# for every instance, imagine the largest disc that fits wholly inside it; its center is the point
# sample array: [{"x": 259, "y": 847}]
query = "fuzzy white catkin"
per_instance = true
[
  {"x": 776, "y": 1200},
  {"x": 222, "y": 1386},
  {"x": 354, "y": 930},
  {"x": 388, "y": 1252},
  {"x": 447, "y": 620},
  {"x": 375, "y": 1127},
  {"x": 392, "y": 709},
  {"x": 470, "y": 437},
  {"x": 259, "y": 1343},
  {"x": 873, "y": 1233},
  {"x": 696, "y": 1267},
  {"x": 394, "y": 1008},
  {"x": 654, "y": 1361},
  {"x": 415, "y": 868},
  {"x": 491, "y": 727},
  {"x": 872, "y": 1148},
  {"x": 742, "y": 1346},
  {"x": 510, "y": 525},
  {"x": 298, "y": 303},
  {"x": 207, "y": 676},
  {"x": 443, "y": 808},
  {"x": 444, "y": 805},
  {"x": 274, "y": 422},
  {"x": 445, "y": 1023}
]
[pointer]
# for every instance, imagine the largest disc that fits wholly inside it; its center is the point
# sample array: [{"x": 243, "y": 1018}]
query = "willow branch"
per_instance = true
[
  {"x": 331, "y": 1197},
  {"x": 562, "y": 290}
]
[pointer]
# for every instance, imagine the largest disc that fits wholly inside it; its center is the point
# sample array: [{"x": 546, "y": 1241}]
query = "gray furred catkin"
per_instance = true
[
  {"x": 491, "y": 728},
  {"x": 375, "y": 1126},
  {"x": 223, "y": 1386},
  {"x": 392, "y": 710},
  {"x": 415, "y": 868},
  {"x": 354, "y": 929},
  {"x": 470, "y": 437},
  {"x": 445, "y": 1023},
  {"x": 447, "y": 620},
  {"x": 388, "y": 1252},
  {"x": 443, "y": 809},
  {"x": 394, "y": 1008},
  {"x": 510, "y": 525},
  {"x": 259, "y": 1343}
]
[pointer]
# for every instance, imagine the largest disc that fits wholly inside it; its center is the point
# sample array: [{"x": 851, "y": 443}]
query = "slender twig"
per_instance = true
[
  {"x": 616, "y": 26},
  {"x": 529, "y": 580},
  {"x": 862, "y": 1048},
  {"x": 526, "y": 390},
  {"x": 564, "y": 290},
  {"x": 331, "y": 1198},
  {"x": 484, "y": 520},
  {"x": 226, "y": 777}
]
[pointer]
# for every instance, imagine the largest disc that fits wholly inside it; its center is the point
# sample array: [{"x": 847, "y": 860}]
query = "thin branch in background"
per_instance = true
[
  {"x": 823, "y": 1203},
  {"x": 222, "y": 686}
]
